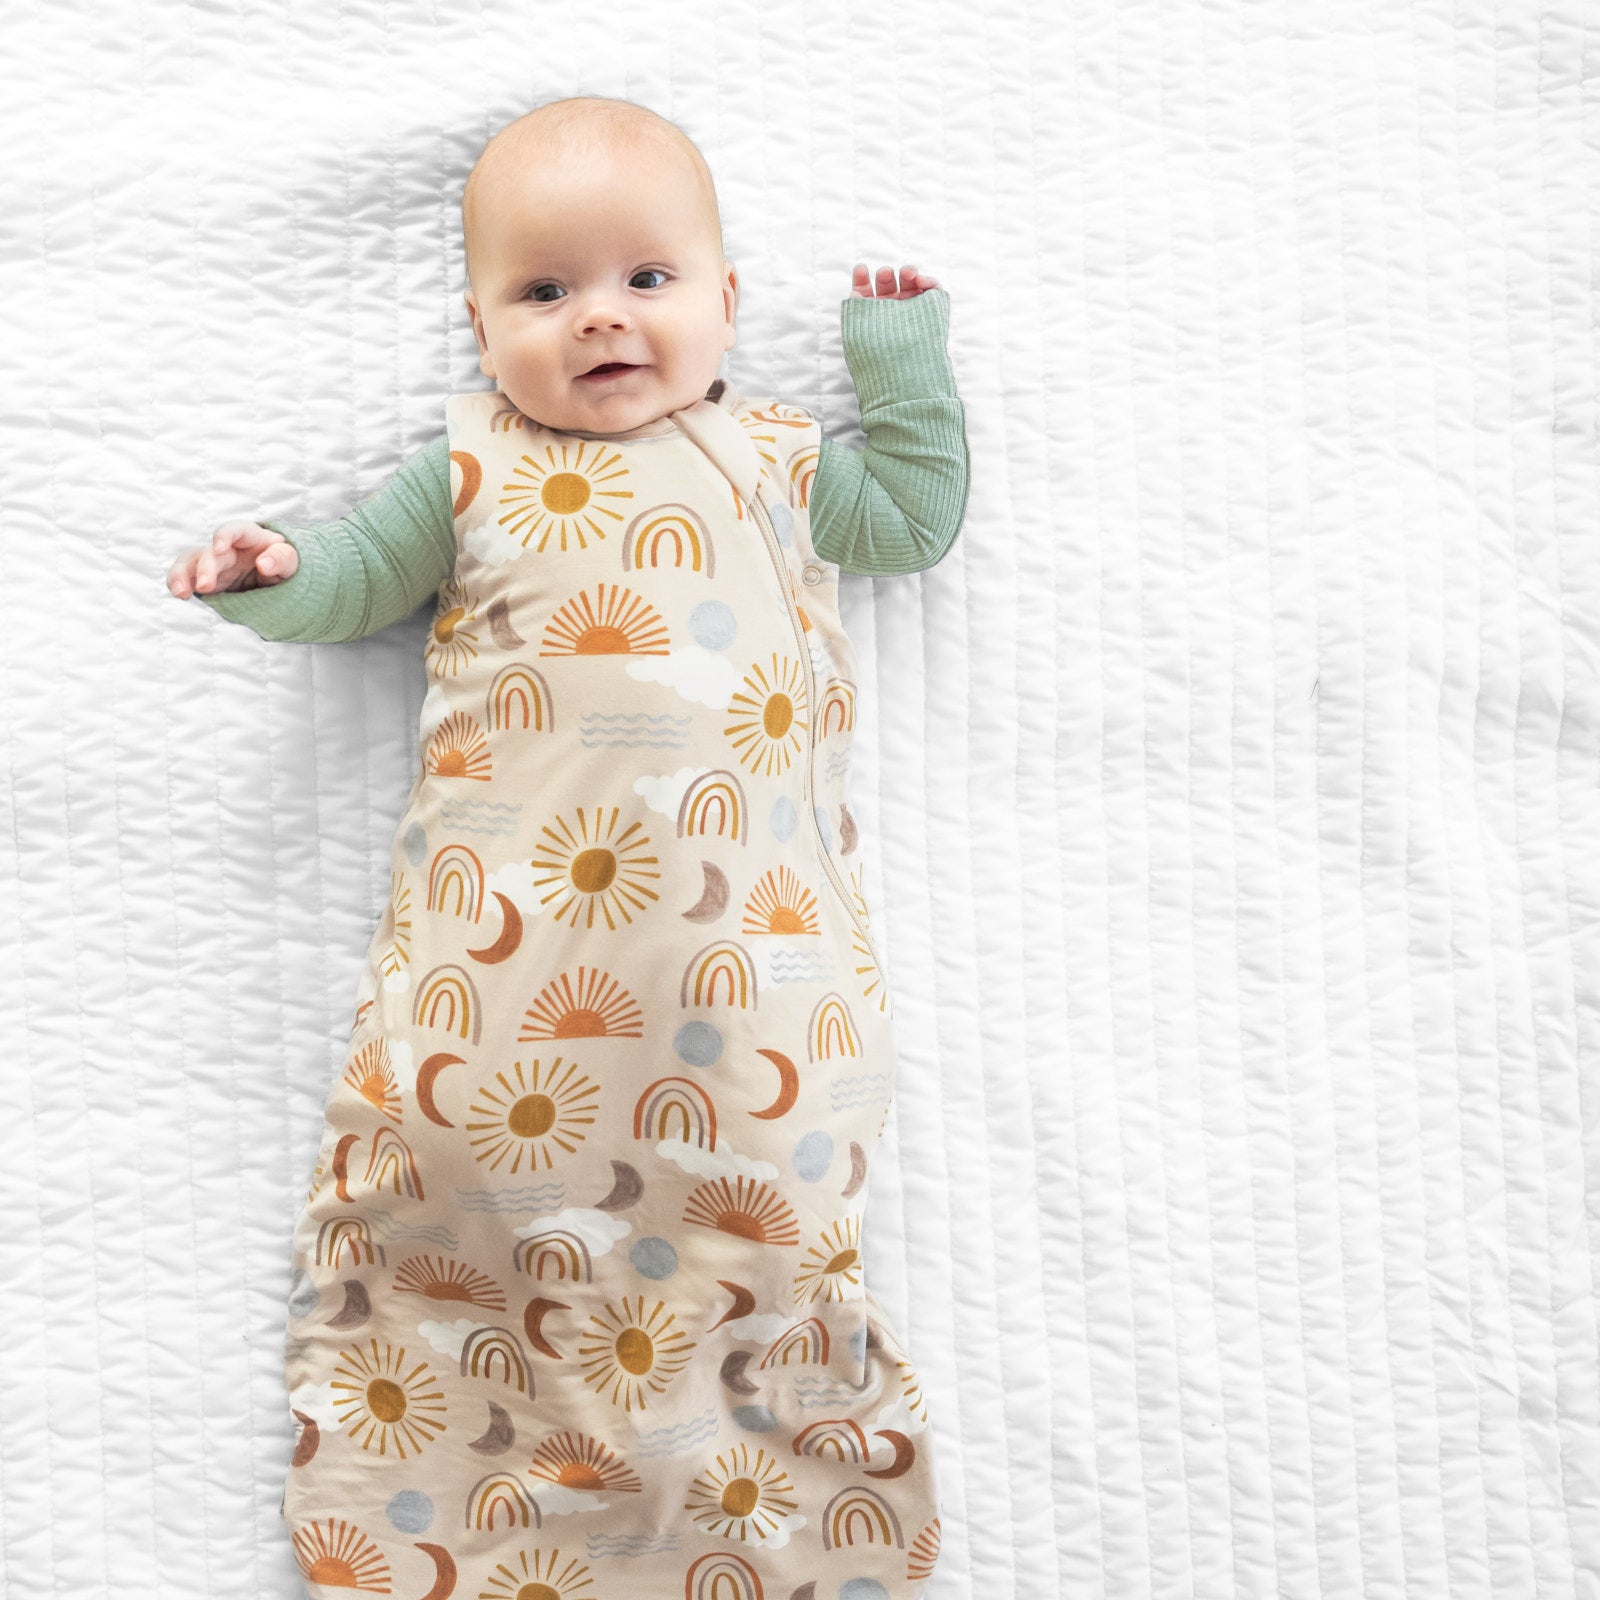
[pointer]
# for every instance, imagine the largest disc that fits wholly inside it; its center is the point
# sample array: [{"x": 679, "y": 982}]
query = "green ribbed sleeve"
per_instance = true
[
  {"x": 893, "y": 507},
  {"x": 897, "y": 505},
  {"x": 362, "y": 571}
]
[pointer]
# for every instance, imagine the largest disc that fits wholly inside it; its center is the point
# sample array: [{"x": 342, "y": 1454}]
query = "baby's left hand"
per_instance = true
[{"x": 912, "y": 283}]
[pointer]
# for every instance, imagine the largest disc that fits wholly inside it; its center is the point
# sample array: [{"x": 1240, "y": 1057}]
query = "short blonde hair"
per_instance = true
[{"x": 582, "y": 123}]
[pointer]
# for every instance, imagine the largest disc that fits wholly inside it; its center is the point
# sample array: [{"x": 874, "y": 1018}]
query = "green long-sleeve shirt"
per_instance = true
[{"x": 891, "y": 508}]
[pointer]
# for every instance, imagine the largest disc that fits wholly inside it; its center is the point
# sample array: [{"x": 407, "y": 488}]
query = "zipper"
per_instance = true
[{"x": 765, "y": 523}]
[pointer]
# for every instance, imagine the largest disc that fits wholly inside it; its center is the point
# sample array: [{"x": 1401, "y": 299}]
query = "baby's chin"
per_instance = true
[{"x": 618, "y": 412}]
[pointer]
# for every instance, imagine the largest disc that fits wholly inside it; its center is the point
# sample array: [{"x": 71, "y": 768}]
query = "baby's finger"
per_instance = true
[
  {"x": 859, "y": 281},
  {"x": 180, "y": 575},
  {"x": 886, "y": 282},
  {"x": 215, "y": 572}
]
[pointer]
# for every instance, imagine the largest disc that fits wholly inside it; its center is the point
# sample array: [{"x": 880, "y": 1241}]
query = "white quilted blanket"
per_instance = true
[{"x": 1235, "y": 780}]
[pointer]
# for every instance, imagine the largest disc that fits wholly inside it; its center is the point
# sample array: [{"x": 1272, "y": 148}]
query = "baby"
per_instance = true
[{"x": 578, "y": 1305}]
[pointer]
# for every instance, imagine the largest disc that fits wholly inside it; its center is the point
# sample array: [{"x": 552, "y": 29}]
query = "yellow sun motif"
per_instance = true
[
  {"x": 545, "y": 1577},
  {"x": 578, "y": 1461},
  {"x": 596, "y": 1007},
  {"x": 868, "y": 974},
  {"x": 564, "y": 494},
  {"x": 371, "y": 1076},
  {"x": 741, "y": 1498},
  {"x": 437, "y": 1278},
  {"x": 635, "y": 1352},
  {"x": 858, "y": 893},
  {"x": 340, "y": 1556},
  {"x": 452, "y": 640},
  {"x": 762, "y": 427},
  {"x": 546, "y": 1107},
  {"x": 622, "y": 624},
  {"x": 911, "y": 1389},
  {"x": 832, "y": 1271},
  {"x": 458, "y": 749},
  {"x": 398, "y": 953},
  {"x": 583, "y": 870},
  {"x": 767, "y": 728},
  {"x": 758, "y": 1213},
  {"x": 396, "y": 1404},
  {"x": 780, "y": 903}
]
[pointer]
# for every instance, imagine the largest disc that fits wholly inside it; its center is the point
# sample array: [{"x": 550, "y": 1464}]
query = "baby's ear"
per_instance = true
[
  {"x": 485, "y": 366},
  {"x": 730, "y": 300}
]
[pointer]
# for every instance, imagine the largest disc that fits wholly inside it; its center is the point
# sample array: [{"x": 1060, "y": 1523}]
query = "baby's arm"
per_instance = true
[
  {"x": 897, "y": 505},
  {"x": 362, "y": 571}
]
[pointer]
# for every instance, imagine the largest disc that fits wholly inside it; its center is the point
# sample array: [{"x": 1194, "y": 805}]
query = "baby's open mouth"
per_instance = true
[{"x": 607, "y": 368}]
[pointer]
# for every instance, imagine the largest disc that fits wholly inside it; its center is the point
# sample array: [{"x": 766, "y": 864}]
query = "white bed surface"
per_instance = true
[{"x": 1230, "y": 790}]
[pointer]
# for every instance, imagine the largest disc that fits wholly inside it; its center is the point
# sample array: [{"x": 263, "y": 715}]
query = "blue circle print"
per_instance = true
[
  {"x": 713, "y": 625},
  {"x": 411, "y": 1511},
  {"x": 653, "y": 1258},
  {"x": 824, "y": 827},
  {"x": 783, "y": 818},
  {"x": 813, "y": 1155},
  {"x": 698, "y": 1043}
]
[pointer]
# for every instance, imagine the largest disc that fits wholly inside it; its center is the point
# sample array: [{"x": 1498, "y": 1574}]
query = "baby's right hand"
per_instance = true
[{"x": 241, "y": 555}]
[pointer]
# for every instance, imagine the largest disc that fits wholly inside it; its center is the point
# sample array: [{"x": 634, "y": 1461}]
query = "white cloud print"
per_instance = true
[
  {"x": 695, "y": 672},
  {"x": 780, "y": 1528},
  {"x": 489, "y": 542},
  {"x": 557, "y": 1500},
  {"x": 761, "y": 1326},
  {"x": 435, "y": 708},
  {"x": 898, "y": 1417},
  {"x": 665, "y": 794},
  {"x": 597, "y": 1229},
  {"x": 723, "y": 1162},
  {"x": 448, "y": 1338},
  {"x": 316, "y": 1401}
]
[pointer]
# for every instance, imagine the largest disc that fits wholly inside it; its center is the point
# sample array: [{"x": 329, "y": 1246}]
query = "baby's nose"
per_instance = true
[{"x": 604, "y": 314}]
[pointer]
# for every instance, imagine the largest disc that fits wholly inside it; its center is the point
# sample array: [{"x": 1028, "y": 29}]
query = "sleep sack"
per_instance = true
[{"x": 578, "y": 1306}]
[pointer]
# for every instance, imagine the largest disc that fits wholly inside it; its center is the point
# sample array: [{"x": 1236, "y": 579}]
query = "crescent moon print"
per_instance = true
[
  {"x": 471, "y": 477},
  {"x": 500, "y": 629},
  {"x": 589, "y": 1197},
  {"x": 904, "y": 1454},
  {"x": 306, "y": 1444},
  {"x": 858, "y": 1170},
  {"x": 426, "y": 1073},
  {"x": 505, "y": 946},
  {"x": 788, "y": 1085},
  {"x": 341, "y": 1156},
  {"x": 533, "y": 1320},
  {"x": 744, "y": 1302},
  {"x": 713, "y": 899},
  {"x": 499, "y": 1436},
  {"x": 356, "y": 1310},
  {"x": 732, "y": 1372},
  {"x": 444, "y": 1571},
  {"x": 625, "y": 1190}
]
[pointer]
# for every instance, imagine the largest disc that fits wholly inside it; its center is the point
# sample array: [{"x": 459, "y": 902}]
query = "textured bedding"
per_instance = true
[{"x": 1232, "y": 783}]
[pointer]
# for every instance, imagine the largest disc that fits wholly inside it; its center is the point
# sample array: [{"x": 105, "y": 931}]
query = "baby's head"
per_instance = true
[{"x": 592, "y": 235}]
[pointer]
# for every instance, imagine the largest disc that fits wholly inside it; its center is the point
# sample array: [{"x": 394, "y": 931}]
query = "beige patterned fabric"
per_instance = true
[{"x": 579, "y": 1310}]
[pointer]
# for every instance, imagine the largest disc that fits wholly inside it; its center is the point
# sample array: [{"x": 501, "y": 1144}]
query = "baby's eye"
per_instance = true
[
  {"x": 537, "y": 291},
  {"x": 648, "y": 272}
]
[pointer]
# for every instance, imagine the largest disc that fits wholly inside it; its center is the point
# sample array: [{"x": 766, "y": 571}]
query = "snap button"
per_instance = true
[{"x": 811, "y": 573}]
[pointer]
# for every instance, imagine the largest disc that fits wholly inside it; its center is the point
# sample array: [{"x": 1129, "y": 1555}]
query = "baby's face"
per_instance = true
[{"x": 605, "y": 259}]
